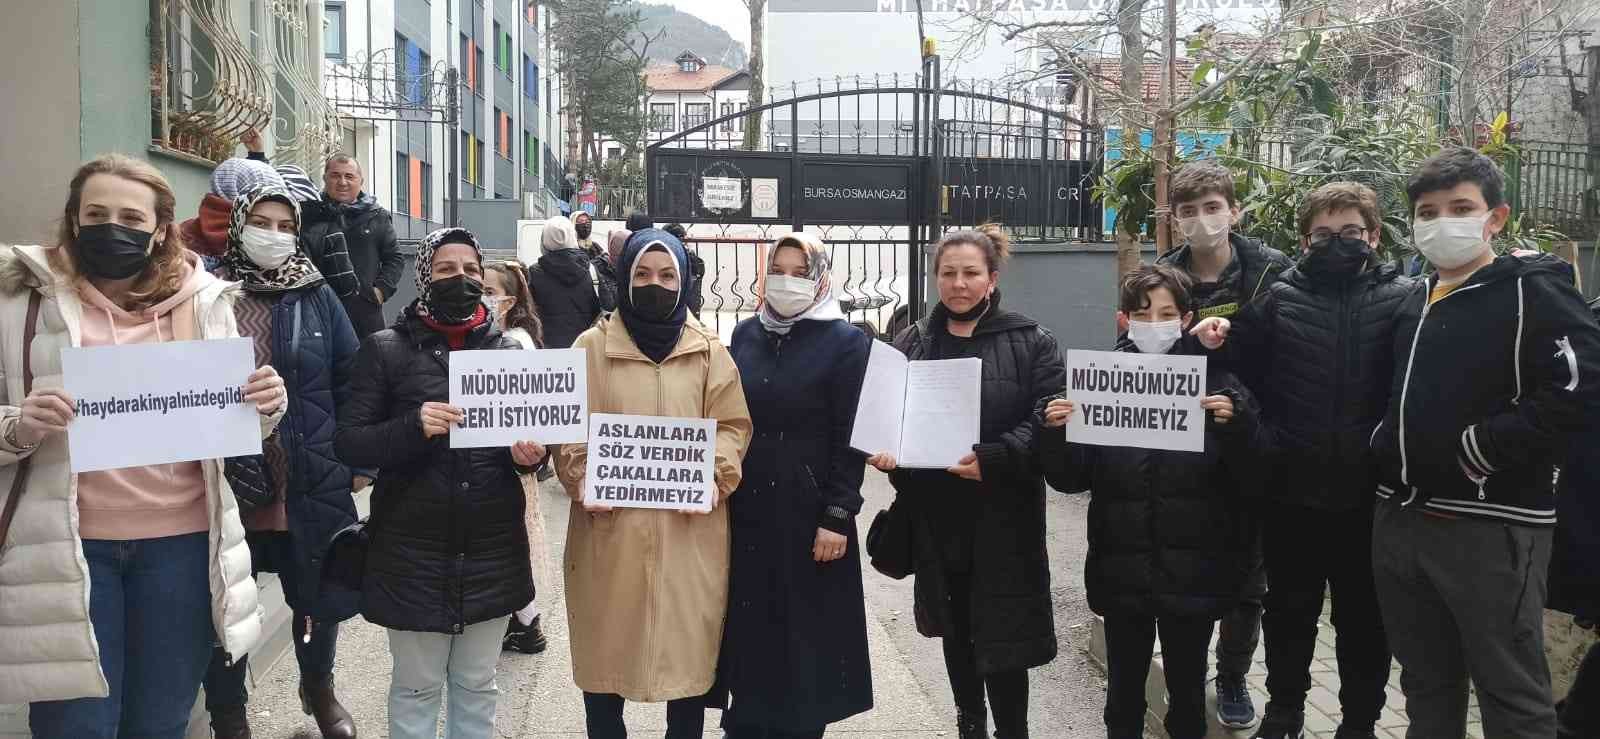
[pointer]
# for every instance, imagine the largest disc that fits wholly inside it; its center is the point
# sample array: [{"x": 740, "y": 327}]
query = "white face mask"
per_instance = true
[
  {"x": 790, "y": 296},
  {"x": 1207, "y": 232},
  {"x": 268, "y": 249},
  {"x": 493, "y": 303},
  {"x": 1155, "y": 337},
  {"x": 1451, "y": 242}
]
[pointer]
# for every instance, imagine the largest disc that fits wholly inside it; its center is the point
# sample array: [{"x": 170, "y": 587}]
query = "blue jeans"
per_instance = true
[{"x": 150, "y": 603}]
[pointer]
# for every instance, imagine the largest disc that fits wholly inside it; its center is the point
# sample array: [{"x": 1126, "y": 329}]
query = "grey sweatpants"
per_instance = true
[{"x": 1465, "y": 598}]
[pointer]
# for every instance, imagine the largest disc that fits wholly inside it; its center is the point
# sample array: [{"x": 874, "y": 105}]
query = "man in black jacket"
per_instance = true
[
  {"x": 1228, "y": 271},
  {"x": 1496, "y": 371},
  {"x": 367, "y": 230},
  {"x": 1321, "y": 343}
]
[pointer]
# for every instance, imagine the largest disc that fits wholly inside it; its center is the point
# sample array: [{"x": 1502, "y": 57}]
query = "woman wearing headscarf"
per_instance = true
[
  {"x": 207, "y": 233},
  {"x": 447, "y": 561},
  {"x": 298, "y": 326},
  {"x": 647, "y": 589},
  {"x": 794, "y": 653},
  {"x": 561, "y": 282}
]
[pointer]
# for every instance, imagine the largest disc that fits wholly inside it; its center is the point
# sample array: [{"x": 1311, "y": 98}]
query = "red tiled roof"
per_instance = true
[
  {"x": 1109, "y": 73},
  {"x": 670, "y": 78}
]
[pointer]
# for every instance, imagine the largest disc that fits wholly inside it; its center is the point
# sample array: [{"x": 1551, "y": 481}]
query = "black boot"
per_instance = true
[
  {"x": 230, "y": 722},
  {"x": 525, "y": 639},
  {"x": 972, "y": 726},
  {"x": 317, "y": 699}
]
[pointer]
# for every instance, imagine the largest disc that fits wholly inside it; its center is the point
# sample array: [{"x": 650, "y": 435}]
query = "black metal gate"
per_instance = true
[
  {"x": 398, "y": 116},
  {"x": 878, "y": 168}
]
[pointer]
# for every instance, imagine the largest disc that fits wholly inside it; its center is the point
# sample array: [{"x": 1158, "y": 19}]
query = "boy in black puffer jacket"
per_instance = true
[{"x": 1168, "y": 550}]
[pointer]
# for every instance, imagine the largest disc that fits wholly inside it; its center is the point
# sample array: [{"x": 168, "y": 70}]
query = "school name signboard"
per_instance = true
[
  {"x": 1149, "y": 401},
  {"x": 651, "y": 462},
  {"x": 509, "y": 396}
]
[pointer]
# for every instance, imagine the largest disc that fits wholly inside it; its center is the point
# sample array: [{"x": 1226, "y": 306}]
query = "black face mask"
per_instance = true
[
  {"x": 584, "y": 229},
  {"x": 1337, "y": 259},
  {"x": 654, "y": 302},
  {"x": 112, "y": 251},
  {"x": 455, "y": 299},
  {"x": 971, "y": 314}
]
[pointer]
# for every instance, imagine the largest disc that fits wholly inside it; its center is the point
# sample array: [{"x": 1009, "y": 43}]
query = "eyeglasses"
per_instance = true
[{"x": 1348, "y": 232}]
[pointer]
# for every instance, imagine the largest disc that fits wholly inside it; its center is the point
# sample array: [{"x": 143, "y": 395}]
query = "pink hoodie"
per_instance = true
[{"x": 157, "y": 500}]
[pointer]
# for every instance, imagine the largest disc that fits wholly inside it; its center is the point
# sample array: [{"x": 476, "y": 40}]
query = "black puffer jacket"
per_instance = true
[
  {"x": 449, "y": 548},
  {"x": 1002, "y": 518},
  {"x": 369, "y": 237},
  {"x": 1321, "y": 354},
  {"x": 1169, "y": 532},
  {"x": 565, "y": 294},
  {"x": 1255, "y": 266}
]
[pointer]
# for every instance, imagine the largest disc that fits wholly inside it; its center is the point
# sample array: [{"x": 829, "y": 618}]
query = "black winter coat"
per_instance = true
[
  {"x": 1575, "y": 551},
  {"x": 1321, "y": 354},
  {"x": 1013, "y": 623},
  {"x": 1491, "y": 384},
  {"x": 373, "y": 249},
  {"x": 1255, "y": 267},
  {"x": 1169, "y": 532},
  {"x": 794, "y": 649},
  {"x": 314, "y": 350},
  {"x": 449, "y": 548},
  {"x": 565, "y": 294}
]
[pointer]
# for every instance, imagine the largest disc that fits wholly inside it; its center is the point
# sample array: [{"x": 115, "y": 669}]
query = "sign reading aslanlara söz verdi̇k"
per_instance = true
[
  {"x": 1150, "y": 401},
  {"x": 509, "y": 396},
  {"x": 651, "y": 462}
]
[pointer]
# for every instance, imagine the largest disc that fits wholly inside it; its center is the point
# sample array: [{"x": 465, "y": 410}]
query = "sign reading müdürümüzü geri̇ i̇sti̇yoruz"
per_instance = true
[
  {"x": 539, "y": 395},
  {"x": 651, "y": 462},
  {"x": 1149, "y": 401}
]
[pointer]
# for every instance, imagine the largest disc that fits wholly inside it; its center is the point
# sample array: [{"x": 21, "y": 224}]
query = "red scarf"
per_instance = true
[{"x": 456, "y": 333}]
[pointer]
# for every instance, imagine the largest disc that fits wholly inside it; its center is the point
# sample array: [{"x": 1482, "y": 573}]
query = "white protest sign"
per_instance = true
[
  {"x": 509, "y": 396},
  {"x": 651, "y": 462},
  {"x": 144, "y": 404},
  {"x": 1150, "y": 401},
  {"x": 725, "y": 193}
]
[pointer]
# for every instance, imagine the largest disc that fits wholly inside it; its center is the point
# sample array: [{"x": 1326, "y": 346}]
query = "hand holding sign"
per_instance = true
[
  {"x": 265, "y": 389},
  {"x": 883, "y": 462},
  {"x": 1212, "y": 332},
  {"x": 1221, "y": 407},
  {"x": 437, "y": 418},
  {"x": 968, "y": 469},
  {"x": 527, "y": 453},
  {"x": 45, "y": 413},
  {"x": 1058, "y": 412}
]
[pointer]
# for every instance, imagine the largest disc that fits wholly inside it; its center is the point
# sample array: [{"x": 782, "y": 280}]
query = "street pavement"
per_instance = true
[{"x": 538, "y": 699}]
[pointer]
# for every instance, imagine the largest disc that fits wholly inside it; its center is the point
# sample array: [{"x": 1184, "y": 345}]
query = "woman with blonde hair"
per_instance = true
[
  {"x": 114, "y": 583},
  {"x": 647, "y": 589}
]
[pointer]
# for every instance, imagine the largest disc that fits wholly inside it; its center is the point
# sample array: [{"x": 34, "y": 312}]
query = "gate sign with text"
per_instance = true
[
  {"x": 651, "y": 462},
  {"x": 1149, "y": 401}
]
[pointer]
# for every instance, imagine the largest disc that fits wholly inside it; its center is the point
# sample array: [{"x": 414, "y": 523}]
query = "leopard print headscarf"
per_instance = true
[{"x": 296, "y": 272}]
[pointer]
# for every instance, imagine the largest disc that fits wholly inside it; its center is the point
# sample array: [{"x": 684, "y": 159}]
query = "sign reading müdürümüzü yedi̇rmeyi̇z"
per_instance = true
[
  {"x": 1150, "y": 401},
  {"x": 510, "y": 396},
  {"x": 651, "y": 462},
  {"x": 136, "y": 408}
]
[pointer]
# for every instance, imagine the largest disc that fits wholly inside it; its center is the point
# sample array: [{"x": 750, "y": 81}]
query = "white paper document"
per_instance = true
[
  {"x": 134, "y": 407},
  {"x": 925, "y": 413}
]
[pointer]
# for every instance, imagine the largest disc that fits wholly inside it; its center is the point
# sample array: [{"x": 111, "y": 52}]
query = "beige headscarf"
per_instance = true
[
  {"x": 819, "y": 269},
  {"x": 559, "y": 233}
]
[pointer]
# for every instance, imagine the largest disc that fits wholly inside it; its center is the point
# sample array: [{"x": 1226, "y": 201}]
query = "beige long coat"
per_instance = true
[{"x": 647, "y": 590}]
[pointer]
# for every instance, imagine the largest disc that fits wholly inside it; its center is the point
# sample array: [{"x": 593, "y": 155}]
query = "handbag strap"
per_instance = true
[{"x": 19, "y": 483}]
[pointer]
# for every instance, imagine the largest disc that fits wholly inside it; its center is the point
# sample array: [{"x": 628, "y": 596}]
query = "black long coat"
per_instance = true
[
  {"x": 449, "y": 548},
  {"x": 1013, "y": 624},
  {"x": 794, "y": 650}
]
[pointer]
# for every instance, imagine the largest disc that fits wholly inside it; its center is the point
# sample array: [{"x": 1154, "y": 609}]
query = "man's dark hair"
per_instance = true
[
  {"x": 639, "y": 221},
  {"x": 1139, "y": 282},
  {"x": 1453, "y": 166},
  {"x": 677, "y": 229},
  {"x": 1196, "y": 180}
]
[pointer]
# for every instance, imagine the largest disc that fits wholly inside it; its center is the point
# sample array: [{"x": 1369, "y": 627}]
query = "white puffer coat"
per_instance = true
[{"x": 47, "y": 645}]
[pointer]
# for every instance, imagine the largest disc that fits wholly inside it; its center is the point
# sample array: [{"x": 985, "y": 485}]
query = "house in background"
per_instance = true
[{"x": 688, "y": 93}]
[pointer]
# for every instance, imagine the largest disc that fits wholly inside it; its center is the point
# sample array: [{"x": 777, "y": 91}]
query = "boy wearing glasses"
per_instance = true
[{"x": 1320, "y": 343}]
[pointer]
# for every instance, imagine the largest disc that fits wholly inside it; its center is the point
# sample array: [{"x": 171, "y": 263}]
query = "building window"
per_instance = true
[
  {"x": 689, "y": 65},
  {"x": 499, "y": 49},
  {"x": 466, "y": 151},
  {"x": 613, "y": 152},
  {"x": 427, "y": 191},
  {"x": 477, "y": 68},
  {"x": 530, "y": 78},
  {"x": 527, "y": 152},
  {"x": 467, "y": 72},
  {"x": 696, "y": 114},
  {"x": 333, "y": 30},
  {"x": 661, "y": 115},
  {"x": 402, "y": 183},
  {"x": 727, "y": 110},
  {"x": 413, "y": 79}
]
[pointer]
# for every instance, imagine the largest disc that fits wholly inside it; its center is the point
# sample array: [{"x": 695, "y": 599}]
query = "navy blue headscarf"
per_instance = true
[{"x": 655, "y": 338}]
